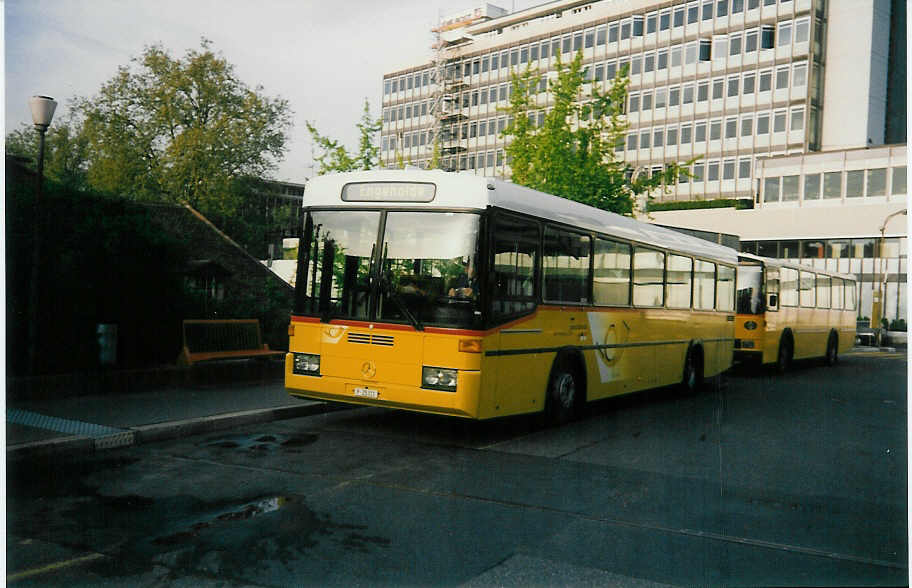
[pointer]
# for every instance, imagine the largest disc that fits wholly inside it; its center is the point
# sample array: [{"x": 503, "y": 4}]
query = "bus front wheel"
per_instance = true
[
  {"x": 784, "y": 357},
  {"x": 562, "y": 402}
]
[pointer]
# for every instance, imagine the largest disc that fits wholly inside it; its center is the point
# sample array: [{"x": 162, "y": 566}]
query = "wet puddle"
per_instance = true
[{"x": 263, "y": 443}]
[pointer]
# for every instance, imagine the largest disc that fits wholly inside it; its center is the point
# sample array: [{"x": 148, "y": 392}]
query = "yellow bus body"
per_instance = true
[
  {"x": 624, "y": 351},
  {"x": 810, "y": 329}
]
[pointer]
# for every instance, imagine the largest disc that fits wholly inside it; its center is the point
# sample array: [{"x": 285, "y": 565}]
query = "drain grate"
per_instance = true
[{"x": 105, "y": 437}]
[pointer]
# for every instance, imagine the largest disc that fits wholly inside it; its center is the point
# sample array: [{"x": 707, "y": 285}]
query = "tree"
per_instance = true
[
  {"x": 181, "y": 130},
  {"x": 336, "y": 158},
  {"x": 572, "y": 153},
  {"x": 65, "y": 151}
]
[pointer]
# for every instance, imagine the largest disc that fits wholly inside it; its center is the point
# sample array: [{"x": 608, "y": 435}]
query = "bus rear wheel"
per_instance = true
[
  {"x": 784, "y": 357},
  {"x": 562, "y": 402},
  {"x": 832, "y": 351},
  {"x": 692, "y": 379}
]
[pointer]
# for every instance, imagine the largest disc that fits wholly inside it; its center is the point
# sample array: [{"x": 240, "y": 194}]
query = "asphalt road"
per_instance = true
[{"x": 757, "y": 480}]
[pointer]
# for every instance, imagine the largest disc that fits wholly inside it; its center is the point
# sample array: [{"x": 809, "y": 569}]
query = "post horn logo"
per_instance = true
[
  {"x": 368, "y": 369},
  {"x": 612, "y": 355}
]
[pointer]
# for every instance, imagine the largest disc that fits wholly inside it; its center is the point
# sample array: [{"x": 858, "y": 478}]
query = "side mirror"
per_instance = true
[{"x": 773, "y": 302}]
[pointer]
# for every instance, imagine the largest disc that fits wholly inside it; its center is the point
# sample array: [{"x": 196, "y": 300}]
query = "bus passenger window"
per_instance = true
[
  {"x": 849, "y": 295},
  {"x": 704, "y": 285},
  {"x": 838, "y": 293},
  {"x": 772, "y": 290},
  {"x": 823, "y": 291},
  {"x": 515, "y": 249},
  {"x": 611, "y": 283},
  {"x": 565, "y": 266},
  {"x": 725, "y": 289},
  {"x": 648, "y": 280},
  {"x": 808, "y": 297},
  {"x": 679, "y": 281},
  {"x": 789, "y": 287}
]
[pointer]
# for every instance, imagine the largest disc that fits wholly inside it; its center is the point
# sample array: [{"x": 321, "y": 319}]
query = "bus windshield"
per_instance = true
[
  {"x": 425, "y": 273},
  {"x": 750, "y": 297}
]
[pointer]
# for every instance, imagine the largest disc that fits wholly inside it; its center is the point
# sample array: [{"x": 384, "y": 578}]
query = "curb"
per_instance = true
[{"x": 76, "y": 445}]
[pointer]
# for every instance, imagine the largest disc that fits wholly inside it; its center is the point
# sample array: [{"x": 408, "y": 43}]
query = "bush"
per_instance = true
[{"x": 898, "y": 325}]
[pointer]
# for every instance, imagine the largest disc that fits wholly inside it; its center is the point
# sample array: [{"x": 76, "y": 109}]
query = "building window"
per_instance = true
[
  {"x": 767, "y": 36},
  {"x": 782, "y": 78},
  {"x": 698, "y": 172},
  {"x": 802, "y": 30},
  {"x": 631, "y": 142},
  {"x": 712, "y": 171},
  {"x": 720, "y": 47},
  {"x": 600, "y": 36},
  {"x": 785, "y": 34},
  {"x": 744, "y": 168},
  {"x": 832, "y": 185},
  {"x": 644, "y": 140},
  {"x": 658, "y": 138},
  {"x": 790, "y": 186},
  {"x": 763, "y": 124},
  {"x": 899, "y": 181},
  {"x": 877, "y": 182},
  {"x": 707, "y": 11},
  {"x": 665, "y": 20},
  {"x": 672, "y": 136},
  {"x": 674, "y": 96},
  {"x": 685, "y": 135},
  {"x": 700, "y": 132},
  {"x": 634, "y": 103},
  {"x": 737, "y": 6},
  {"x": 799, "y": 75},
  {"x": 731, "y": 128},
  {"x": 766, "y": 81},
  {"x": 750, "y": 41},
  {"x": 613, "y": 33},
  {"x": 728, "y": 169},
  {"x": 589, "y": 38},
  {"x": 779, "y": 122},
  {"x": 679, "y": 17},
  {"x": 705, "y": 49},
  {"x": 733, "y": 86},
  {"x": 797, "y": 119},
  {"x": 688, "y": 94},
  {"x": 661, "y": 98},
  {"x": 771, "y": 190},
  {"x": 812, "y": 187},
  {"x": 715, "y": 130},
  {"x": 693, "y": 13},
  {"x": 734, "y": 44},
  {"x": 662, "y": 60},
  {"x": 648, "y": 62},
  {"x": 855, "y": 183},
  {"x": 703, "y": 92},
  {"x": 721, "y": 8},
  {"x": 747, "y": 126}
]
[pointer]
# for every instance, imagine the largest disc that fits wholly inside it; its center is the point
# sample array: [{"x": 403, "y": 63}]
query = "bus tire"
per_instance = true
[
  {"x": 832, "y": 350},
  {"x": 692, "y": 378},
  {"x": 786, "y": 350},
  {"x": 564, "y": 393}
]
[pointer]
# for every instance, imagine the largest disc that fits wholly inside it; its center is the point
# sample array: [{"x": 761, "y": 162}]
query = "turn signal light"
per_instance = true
[
  {"x": 291, "y": 329},
  {"x": 470, "y": 345}
]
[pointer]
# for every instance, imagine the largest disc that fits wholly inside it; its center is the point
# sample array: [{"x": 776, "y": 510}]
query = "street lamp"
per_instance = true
[
  {"x": 42, "y": 108},
  {"x": 877, "y": 306}
]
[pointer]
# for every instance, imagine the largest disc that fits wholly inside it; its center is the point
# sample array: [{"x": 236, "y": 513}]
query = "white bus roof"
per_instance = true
[
  {"x": 797, "y": 266},
  {"x": 465, "y": 190}
]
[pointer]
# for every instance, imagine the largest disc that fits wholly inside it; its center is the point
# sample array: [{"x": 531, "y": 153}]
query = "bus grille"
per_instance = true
[{"x": 370, "y": 339}]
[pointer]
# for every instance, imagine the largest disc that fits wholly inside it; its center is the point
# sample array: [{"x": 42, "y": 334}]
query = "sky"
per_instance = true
[{"x": 325, "y": 57}]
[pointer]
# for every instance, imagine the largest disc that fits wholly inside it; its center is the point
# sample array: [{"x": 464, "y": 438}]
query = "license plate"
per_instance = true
[{"x": 367, "y": 393}]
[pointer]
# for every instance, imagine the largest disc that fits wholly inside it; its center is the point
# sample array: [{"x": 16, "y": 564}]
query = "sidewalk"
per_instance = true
[{"x": 83, "y": 424}]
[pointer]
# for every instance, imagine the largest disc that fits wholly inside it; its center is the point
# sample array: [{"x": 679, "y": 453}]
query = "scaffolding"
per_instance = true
[{"x": 447, "y": 137}]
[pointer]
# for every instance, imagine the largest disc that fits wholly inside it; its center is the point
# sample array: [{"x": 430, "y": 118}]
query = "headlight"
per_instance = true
[
  {"x": 750, "y": 325},
  {"x": 306, "y": 364},
  {"x": 438, "y": 379}
]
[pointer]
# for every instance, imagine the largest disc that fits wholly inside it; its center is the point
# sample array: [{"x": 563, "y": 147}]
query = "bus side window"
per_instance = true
[
  {"x": 611, "y": 282},
  {"x": 515, "y": 244},
  {"x": 565, "y": 266},
  {"x": 838, "y": 293},
  {"x": 725, "y": 288}
]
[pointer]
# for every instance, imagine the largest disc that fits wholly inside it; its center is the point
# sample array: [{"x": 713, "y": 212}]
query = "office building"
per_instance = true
[{"x": 754, "y": 89}]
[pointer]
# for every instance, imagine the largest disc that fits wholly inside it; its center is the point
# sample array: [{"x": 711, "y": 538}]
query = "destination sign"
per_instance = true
[{"x": 388, "y": 192}]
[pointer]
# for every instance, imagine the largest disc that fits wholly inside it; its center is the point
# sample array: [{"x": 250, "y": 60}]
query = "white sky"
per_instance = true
[{"x": 325, "y": 57}]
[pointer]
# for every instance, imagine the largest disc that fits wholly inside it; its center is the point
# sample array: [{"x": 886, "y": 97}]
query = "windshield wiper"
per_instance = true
[{"x": 386, "y": 288}]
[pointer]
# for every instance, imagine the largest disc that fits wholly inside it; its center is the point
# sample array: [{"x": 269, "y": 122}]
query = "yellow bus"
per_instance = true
[
  {"x": 788, "y": 311},
  {"x": 469, "y": 296}
]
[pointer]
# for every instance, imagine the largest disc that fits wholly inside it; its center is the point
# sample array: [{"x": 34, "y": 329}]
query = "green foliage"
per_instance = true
[
  {"x": 65, "y": 151},
  {"x": 737, "y": 203},
  {"x": 572, "y": 153},
  {"x": 181, "y": 130},
  {"x": 334, "y": 157},
  {"x": 898, "y": 325}
]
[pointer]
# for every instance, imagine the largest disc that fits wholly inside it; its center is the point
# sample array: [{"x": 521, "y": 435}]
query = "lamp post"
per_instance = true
[
  {"x": 42, "y": 108},
  {"x": 877, "y": 306}
]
